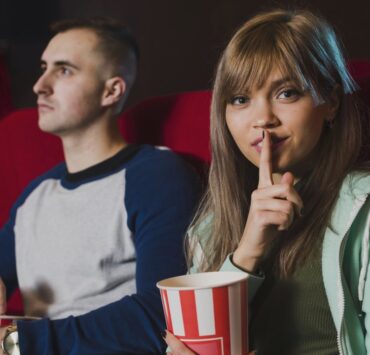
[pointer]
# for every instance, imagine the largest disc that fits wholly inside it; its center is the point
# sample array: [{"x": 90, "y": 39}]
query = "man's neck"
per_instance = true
[{"x": 84, "y": 150}]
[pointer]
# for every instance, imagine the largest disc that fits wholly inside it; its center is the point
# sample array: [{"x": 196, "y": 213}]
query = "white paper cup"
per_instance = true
[{"x": 208, "y": 311}]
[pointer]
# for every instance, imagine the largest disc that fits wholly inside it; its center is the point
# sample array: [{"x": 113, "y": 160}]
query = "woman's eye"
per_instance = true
[
  {"x": 239, "y": 100},
  {"x": 288, "y": 94}
]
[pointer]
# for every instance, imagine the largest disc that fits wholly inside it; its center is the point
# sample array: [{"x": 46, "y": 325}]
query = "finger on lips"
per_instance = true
[
  {"x": 266, "y": 187},
  {"x": 265, "y": 168}
]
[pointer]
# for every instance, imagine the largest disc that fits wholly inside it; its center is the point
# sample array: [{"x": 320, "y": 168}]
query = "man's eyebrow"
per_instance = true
[{"x": 61, "y": 63}]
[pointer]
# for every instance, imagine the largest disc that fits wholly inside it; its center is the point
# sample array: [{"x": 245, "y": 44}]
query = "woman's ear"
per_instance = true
[
  {"x": 114, "y": 91},
  {"x": 333, "y": 103}
]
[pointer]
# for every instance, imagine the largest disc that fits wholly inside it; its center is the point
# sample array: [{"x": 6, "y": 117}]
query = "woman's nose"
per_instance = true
[{"x": 264, "y": 116}]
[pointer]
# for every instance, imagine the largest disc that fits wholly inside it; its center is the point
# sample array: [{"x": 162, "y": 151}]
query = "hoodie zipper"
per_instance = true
[
  {"x": 342, "y": 302},
  {"x": 341, "y": 299}
]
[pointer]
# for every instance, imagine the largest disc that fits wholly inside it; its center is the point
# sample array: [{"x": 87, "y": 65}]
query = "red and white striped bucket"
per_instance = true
[{"x": 208, "y": 311}]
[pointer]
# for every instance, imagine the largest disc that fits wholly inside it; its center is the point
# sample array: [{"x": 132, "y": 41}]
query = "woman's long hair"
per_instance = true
[{"x": 303, "y": 47}]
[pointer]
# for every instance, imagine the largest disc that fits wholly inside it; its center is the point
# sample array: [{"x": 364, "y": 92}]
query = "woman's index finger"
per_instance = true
[{"x": 265, "y": 169}]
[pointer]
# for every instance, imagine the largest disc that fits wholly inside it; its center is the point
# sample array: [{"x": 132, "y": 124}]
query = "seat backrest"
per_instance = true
[
  {"x": 360, "y": 71},
  {"x": 25, "y": 153},
  {"x": 179, "y": 121}
]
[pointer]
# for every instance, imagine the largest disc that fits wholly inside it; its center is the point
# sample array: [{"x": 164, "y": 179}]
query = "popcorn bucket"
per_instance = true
[{"x": 208, "y": 311}]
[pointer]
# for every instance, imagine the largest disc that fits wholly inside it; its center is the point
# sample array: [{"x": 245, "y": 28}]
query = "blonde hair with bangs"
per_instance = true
[{"x": 304, "y": 48}]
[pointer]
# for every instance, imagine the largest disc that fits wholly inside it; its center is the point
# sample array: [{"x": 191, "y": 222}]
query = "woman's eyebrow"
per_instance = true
[{"x": 279, "y": 82}]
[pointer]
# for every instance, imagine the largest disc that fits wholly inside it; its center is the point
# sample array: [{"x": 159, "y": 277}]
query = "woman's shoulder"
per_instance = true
[
  {"x": 198, "y": 235},
  {"x": 201, "y": 232},
  {"x": 356, "y": 183}
]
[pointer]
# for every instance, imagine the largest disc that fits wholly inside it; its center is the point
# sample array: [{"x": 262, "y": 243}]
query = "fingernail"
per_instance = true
[{"x": 164, "y": 333}]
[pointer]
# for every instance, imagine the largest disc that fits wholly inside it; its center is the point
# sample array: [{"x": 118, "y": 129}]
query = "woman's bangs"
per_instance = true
[
  {"x": 250, "y": 69},
  {"x": 245, "y": 71},
  {"x": 288, "y": 67}
]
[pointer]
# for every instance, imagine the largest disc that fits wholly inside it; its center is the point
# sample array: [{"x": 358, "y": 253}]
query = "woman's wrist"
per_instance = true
[{"x": 249, "y": 265}]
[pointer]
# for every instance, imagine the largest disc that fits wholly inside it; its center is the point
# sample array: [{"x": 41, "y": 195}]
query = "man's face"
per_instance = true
[{"x": 71, "y": 86}]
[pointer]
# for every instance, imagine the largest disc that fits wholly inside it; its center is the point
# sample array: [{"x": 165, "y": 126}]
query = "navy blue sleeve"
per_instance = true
[
  {"x": 8, "y": 271},
  {"x": 161, "y": 197}
]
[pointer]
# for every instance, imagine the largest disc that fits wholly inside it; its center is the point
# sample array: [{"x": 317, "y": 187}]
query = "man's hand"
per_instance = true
[
  {"x": 2, "y": 297},
  {"x": 2, "y": 310},
  {"x": 2, "y": 333}
]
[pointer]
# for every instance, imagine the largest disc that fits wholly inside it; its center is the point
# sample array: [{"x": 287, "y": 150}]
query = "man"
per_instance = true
[{"x": 87, "y": 242}]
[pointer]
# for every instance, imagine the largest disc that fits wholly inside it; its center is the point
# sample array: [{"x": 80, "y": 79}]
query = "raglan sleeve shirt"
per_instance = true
[{"x": 162, "y": 194}]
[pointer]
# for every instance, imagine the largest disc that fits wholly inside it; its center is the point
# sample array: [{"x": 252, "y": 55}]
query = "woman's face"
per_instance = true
[{"x": 292, "y": 117}]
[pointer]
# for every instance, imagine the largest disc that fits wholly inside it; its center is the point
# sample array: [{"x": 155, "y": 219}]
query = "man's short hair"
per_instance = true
[{"x": 117, "y": 43}]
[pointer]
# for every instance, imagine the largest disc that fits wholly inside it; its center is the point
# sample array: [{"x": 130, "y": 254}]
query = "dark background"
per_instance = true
[{"x": 180, "y": 40}]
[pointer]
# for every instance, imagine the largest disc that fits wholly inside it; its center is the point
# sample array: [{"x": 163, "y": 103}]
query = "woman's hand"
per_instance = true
[
  {"x": 273, "y": 209},
  {"x": 179, "y": 348}
]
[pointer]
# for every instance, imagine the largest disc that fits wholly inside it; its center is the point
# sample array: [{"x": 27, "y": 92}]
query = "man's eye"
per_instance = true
[
  {"x": 239, "y": 100},
  {"x": 65, "y": 71}
]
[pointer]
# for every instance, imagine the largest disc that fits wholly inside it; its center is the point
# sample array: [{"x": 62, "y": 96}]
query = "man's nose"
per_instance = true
[{"x": 43, "y": 85}]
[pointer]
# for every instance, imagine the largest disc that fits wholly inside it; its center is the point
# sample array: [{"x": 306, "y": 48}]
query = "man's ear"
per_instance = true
[
  {"x": 333, "y": 103},
  {"x": 114, "y": 90}
]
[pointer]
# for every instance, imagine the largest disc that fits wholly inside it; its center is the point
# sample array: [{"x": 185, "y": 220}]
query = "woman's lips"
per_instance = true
[{"x": 276, "y": 143}]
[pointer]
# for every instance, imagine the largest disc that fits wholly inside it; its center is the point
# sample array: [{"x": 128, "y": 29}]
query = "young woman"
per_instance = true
[{"x": 288, "y": 188}]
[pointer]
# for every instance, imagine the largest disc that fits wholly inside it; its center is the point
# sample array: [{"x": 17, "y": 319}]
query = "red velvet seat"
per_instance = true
[
  {"x": 179, "y": 121},
  {"x": 360, "y": 70}
]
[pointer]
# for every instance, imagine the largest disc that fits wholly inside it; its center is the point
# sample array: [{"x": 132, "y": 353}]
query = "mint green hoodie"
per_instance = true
[{"x": 345, "y": 264}]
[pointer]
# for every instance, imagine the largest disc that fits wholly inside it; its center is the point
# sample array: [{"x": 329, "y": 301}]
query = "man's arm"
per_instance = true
[
  {"x": 8, "y": 272},
  {"x": 161, "y": 197}
]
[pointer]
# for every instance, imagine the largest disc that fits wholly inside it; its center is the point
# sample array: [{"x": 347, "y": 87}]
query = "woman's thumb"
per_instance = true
[{"x": 287, "y": 178}]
